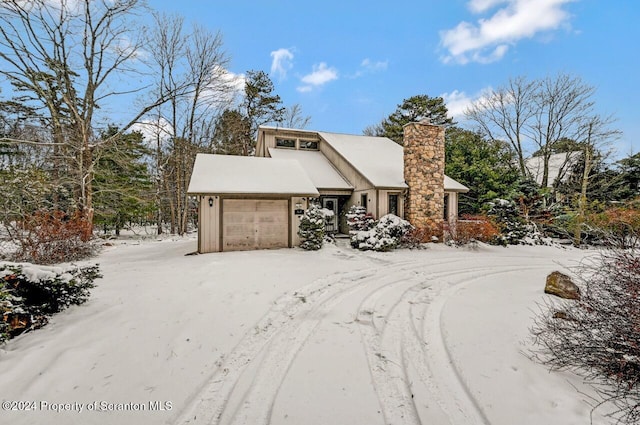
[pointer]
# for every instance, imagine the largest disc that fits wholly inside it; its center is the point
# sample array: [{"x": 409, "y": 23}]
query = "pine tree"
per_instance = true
[
  {"x": 122, "y": 182},
  {"x": 413, "y": 109}
]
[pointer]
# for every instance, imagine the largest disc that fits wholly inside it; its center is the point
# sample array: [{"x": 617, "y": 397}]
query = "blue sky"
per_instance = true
[{"x": 349, "y": 63}]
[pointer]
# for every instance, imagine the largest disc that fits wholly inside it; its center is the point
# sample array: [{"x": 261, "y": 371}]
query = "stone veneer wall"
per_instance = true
[{"x": 424, "y": 174}]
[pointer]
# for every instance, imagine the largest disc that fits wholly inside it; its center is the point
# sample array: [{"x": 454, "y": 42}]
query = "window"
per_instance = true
[
  {"x": 363, "y": 200},
  {"x": 309, "y": 144},
  {"x": 446, "y": 206},
  {"x": 286, "y": 143},
  {"x": 393, "y": 204}
]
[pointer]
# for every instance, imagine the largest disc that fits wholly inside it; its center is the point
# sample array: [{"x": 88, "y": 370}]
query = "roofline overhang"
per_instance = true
[
  {"x": 254, "y": 194},
  {"x": 346, "y": 160},
  {"x": 391, "y": 187}
]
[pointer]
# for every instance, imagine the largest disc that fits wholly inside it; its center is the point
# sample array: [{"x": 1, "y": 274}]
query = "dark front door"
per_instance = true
[{"x": 331, "y": 204}]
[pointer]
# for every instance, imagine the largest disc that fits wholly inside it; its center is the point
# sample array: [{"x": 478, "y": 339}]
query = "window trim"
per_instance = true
[
  {"x": 397, "y": 196},
  {"x": 295, "y": 143},
  {"x": 301, "y": 146}
]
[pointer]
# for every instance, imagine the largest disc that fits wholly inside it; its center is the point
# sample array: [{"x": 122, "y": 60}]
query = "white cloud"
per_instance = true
[
  {"x": 235, "y": 81},
  {"x": 152, "y": 130},
  {"x": 281, "y": 63},
  {"x": 374, "y": 66},
  {"x": 224, "y": 87},
  {"x": 321, "y": 75},
  {"x": 488, "y": 40},
  {"x": 304, "y": 89},
  {"x": 367, "y": 66},
  {"x": 479, "y": 6},
  {"x": 458, "y": 101}
]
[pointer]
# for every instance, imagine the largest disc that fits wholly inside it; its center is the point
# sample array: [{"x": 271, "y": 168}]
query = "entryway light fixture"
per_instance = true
[{"x": 210, "y": 201}]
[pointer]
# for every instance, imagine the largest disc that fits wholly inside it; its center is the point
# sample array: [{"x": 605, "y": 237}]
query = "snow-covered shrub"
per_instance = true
[
  {"x": 30, "y": 293},
  {"x": 598, "y": 336},
  {"x": 513, "y": 228},
  {"x": 358, "y": 220},
  {"x": 506, "y": 214},
  {"x": 386, "y": 235},
  {"x": 312, "y": 228}
]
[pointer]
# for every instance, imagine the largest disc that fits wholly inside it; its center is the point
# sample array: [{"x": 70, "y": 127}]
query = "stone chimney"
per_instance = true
[{"x": 424, "y": 174}]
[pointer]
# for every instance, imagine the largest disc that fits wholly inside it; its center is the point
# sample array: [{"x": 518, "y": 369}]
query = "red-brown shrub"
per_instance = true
[
  {"x": 417, "y": 236},
  {"x": 619, "y": 226},
  {"x": 54, "y": 237},
  {"x": 474, "y": 228}
]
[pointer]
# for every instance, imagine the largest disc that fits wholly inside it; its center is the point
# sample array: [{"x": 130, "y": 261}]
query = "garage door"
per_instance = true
[{"x": 254, "y": 224}]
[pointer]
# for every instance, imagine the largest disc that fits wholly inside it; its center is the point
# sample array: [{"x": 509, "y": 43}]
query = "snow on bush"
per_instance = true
[
  {"x": 598, "y": 336},
  {"x": 385, "y": 235},
  {"x": 358, "y": 220},
  {"x": 513, "y": 229},
  {"x": 30, "y": 293},
  {"x": 312, "y": 228}
]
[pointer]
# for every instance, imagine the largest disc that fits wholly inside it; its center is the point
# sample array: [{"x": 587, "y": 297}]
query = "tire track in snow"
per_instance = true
[
  {"x": 389, "y": 357},
  {"x": 400, "y": 349},
  {"x": 397, "y": 348},
  {"x": 282, "y": 332}
]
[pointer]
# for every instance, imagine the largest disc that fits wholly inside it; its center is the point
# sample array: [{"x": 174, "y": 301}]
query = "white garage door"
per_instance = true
[{"x": 254, "y": 224}]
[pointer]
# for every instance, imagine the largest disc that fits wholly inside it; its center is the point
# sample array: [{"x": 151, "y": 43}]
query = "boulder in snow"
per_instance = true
[{"x": 561, "y": 285}]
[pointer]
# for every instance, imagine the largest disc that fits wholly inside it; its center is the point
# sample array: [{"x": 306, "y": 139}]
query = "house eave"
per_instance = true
[{"x": 253, "y": 194}]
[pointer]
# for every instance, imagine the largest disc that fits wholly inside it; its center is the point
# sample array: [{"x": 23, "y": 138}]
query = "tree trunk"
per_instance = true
[{"x": 582, "y": 200}]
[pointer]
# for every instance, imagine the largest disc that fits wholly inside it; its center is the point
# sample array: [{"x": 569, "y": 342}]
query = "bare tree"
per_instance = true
[
  {"x": 293, "y": 117},
  {"x": 505, "y": 113},
  {"x": 536, "y": 114},
  {"x": 561, "y": 106},
  {"x": 191, "y": 70},
  {"x": 64, "y": 56},
  {"x": 596, "y": 132}
]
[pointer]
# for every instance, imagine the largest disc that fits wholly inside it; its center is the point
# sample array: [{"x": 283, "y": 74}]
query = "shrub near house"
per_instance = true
[
  {"x": 311, "y": 229},
  {"x": 383, "y": 235}
]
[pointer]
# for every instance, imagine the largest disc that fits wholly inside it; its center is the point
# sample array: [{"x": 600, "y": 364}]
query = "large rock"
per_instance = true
[{"x": 561, "y": 285}]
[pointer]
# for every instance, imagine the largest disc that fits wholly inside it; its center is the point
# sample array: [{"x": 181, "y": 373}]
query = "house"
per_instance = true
[
  {"x": 256, "y": 202},
  {"x": 560, "y": 167}
]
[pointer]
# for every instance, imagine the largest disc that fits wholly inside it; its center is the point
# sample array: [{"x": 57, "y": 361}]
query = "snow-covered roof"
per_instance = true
[
  {"x": 378, "y": 159},
  {"x": 451, "y": 185},
  {"x": 322, "y": 173},
  {"x": 560, "y": 165},
  {"x": 227, "y": 174}
]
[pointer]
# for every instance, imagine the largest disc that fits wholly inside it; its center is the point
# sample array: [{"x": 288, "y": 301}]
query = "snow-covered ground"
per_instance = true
[{"x": 432, "y": 336}]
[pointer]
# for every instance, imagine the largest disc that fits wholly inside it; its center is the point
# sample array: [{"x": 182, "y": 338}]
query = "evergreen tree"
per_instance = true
[
  {"x": 311, "y": 230},
  {"x": 229, "y": 133},
  {"x": 259, "y": 106},
  {"x": 486, "y": 167},
  {"x": 122, "y": 185},
  {"x": 415, "y": 108},
  {"x": 629, "y": 187}
]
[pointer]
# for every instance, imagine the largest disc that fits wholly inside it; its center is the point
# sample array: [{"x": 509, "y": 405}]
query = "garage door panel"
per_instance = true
[{"x": 255, "y": 224}]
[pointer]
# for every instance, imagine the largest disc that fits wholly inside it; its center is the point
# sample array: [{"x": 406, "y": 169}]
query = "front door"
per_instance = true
[{"x": 331, "y": 204}]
